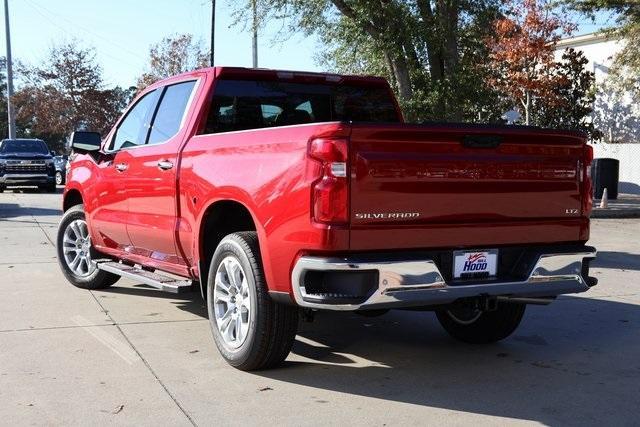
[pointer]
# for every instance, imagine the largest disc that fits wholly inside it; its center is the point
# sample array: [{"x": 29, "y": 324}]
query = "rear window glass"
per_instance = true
[
  {"x": 247, "y": 104},
  {"x": 26, "y": 146}
]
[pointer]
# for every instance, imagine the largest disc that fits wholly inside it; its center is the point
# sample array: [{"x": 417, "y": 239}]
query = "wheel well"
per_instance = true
[
  {"x": 72, "y": 198},
  {"x": 220, "y": 219}
]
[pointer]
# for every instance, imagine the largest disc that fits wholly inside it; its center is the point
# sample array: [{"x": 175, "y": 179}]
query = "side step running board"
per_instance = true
[{"x": 158, "y": 281}]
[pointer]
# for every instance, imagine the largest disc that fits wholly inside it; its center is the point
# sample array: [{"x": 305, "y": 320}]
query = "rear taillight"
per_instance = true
[
  {"x": 587, "y": 189},
  {"x": 330, "y": 192}
]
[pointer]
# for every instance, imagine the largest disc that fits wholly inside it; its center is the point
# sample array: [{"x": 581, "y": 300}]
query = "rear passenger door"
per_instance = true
[{"x": 151, "y": 181}]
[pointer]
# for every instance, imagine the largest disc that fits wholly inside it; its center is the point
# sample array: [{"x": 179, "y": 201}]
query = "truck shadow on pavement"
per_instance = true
[
  {"x": 613, "y": 259},
  {"x": 15, "y": 210},
  {"x": 190, "y": 302},
  {"x": 576, "y": 361}
]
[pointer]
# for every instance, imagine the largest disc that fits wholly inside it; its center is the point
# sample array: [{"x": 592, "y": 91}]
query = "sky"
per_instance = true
[{"x": 121, "y": 31}]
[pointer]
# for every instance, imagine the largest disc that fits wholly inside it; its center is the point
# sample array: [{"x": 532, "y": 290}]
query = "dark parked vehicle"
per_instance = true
[
  {"x": 26, "y": 162},
  {"x": 61, "y": 164}
]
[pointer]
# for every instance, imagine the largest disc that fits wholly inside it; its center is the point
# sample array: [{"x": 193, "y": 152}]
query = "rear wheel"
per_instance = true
[
  {"x": 59, "y": 178},
  {"x": 469, "y": 324},
  {"x": 250, "y": 330},
  {"x": 75, "y": 253},
  {"x": 2, "y": 188}
]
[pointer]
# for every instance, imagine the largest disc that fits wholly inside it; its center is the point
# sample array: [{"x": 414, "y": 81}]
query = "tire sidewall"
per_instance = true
[
  {"x": 489, "y": 327},
  {"x": 72, "y": 214},
  {"x": 230, "y": 247}
]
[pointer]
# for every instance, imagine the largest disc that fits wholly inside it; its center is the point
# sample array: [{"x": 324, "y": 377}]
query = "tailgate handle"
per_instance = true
[{"x": 481, "y": 141}]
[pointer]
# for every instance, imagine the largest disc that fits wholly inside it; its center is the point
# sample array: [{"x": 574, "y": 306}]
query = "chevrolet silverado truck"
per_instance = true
[
  {"x": 282, "y": 193},
  {"x": 26, "y": 162}
]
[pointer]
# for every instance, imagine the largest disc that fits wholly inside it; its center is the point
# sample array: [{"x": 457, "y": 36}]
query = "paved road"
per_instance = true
[{"x": 130, "y": 355}]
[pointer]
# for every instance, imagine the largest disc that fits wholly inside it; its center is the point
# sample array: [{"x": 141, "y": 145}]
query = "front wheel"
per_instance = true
[
  {"x": 73, "y": 245},
  {"x": 250, "y": 330},
  {"x": 467, "y": 323},
  {"x": 59, "y": 178}
]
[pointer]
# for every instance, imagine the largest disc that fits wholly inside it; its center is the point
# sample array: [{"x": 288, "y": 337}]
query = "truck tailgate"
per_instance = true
[{"x": 452, "y": 185}]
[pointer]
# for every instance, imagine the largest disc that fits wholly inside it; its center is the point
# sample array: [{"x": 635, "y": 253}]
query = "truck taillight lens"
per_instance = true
[{"x": 330, "y": 192}]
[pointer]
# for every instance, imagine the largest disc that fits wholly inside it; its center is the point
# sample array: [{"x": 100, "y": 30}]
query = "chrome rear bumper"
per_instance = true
[{"x": 411, "y": 283}]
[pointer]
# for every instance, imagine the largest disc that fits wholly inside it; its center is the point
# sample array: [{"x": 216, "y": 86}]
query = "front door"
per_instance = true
[
  {"x": 108, "y": 220},
  {"x": 107, "y": 207},
  {"x": 151, "y": 181}
]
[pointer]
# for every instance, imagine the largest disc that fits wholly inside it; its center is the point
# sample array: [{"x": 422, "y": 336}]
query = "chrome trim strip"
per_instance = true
[
  {"x": 22, "y": 178},
  {"x": 404, "y": 283}
]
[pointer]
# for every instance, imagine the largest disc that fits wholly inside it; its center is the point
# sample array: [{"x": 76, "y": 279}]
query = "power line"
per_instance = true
[{"x": 42, "y": 11}]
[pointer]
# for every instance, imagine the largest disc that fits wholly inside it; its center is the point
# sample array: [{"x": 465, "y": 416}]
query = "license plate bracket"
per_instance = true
[{"x": 480, "y": 264}]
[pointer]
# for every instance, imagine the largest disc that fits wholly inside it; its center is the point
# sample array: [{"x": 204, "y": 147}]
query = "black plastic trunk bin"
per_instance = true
[{"x": 604, "y": 173}]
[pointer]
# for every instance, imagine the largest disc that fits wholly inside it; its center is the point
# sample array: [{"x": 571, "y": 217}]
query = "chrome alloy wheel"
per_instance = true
[
  {"x": 232, "y": 302},
  {"x": 77, "y": 248}
]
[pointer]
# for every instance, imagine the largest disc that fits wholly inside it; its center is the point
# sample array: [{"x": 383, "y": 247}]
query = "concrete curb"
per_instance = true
[
  {"x": 625, "y": 206},
  {"x": 615, "y": 213}
]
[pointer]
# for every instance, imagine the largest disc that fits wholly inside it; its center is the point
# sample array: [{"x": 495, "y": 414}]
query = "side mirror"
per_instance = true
[{"x": 85, "y": 142}]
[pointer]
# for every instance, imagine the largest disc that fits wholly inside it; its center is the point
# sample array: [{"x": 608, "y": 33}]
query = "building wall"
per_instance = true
[
  {"x": 616, "y": 114},
  {"x": 629, "y": 157}
]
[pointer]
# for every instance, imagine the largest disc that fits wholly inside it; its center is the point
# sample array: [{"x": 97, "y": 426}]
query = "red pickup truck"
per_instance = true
[{"x": 283, "y": 192}]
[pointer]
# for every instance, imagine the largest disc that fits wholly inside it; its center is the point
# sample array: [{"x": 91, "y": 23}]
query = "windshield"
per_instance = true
[
  {"x": 251, "y": 104},
  {"x": 23, "y": 146}
]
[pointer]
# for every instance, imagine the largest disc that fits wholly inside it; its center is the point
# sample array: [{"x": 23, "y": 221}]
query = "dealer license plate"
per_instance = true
[{"x": 475, "y": 264}]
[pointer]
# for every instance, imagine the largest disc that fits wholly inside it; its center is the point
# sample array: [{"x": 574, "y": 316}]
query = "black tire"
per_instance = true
[
  {"x": 2, "y": 188},
  {"x": 59, "y": 178},
  {"x": 98, "y": 279},
  {"x": 272, "y": 326},
  {"x": 488, "y": 327}
]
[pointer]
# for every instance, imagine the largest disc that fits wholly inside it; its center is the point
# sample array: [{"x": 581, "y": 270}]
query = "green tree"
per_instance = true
[
  {"x": 173, "y": 55},
  {"x": 4, "y": 119},
  {"x": 574, "y": 87},
  {"x": 428, "y": 50},
  {"x": 626, "y": 66}
]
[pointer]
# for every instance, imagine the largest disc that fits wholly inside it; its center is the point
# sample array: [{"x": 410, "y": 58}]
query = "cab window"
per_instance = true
[
  {"x": 171, "y": 112},
  {"x": 253, "y": 104},
  {"x": 132, "y": 131}
]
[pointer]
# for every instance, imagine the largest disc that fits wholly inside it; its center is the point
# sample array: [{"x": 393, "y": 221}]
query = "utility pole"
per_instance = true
[
  {"x": 254, "y": 7},
  {"x": 213, "y": 30},
  {"x": 12, "y": 119}
]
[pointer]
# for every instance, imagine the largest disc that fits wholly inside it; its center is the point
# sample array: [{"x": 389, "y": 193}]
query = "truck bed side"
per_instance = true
[{"x": 268, "y": 172}]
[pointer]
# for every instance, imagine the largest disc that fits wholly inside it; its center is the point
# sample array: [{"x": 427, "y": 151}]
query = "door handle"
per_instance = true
[
  {"x": 165, "y": 165},
  {"x": 121, "y": 167}
]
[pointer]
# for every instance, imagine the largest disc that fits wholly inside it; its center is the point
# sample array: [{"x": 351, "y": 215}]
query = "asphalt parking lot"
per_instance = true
[{"x": 132, "y": 355}]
